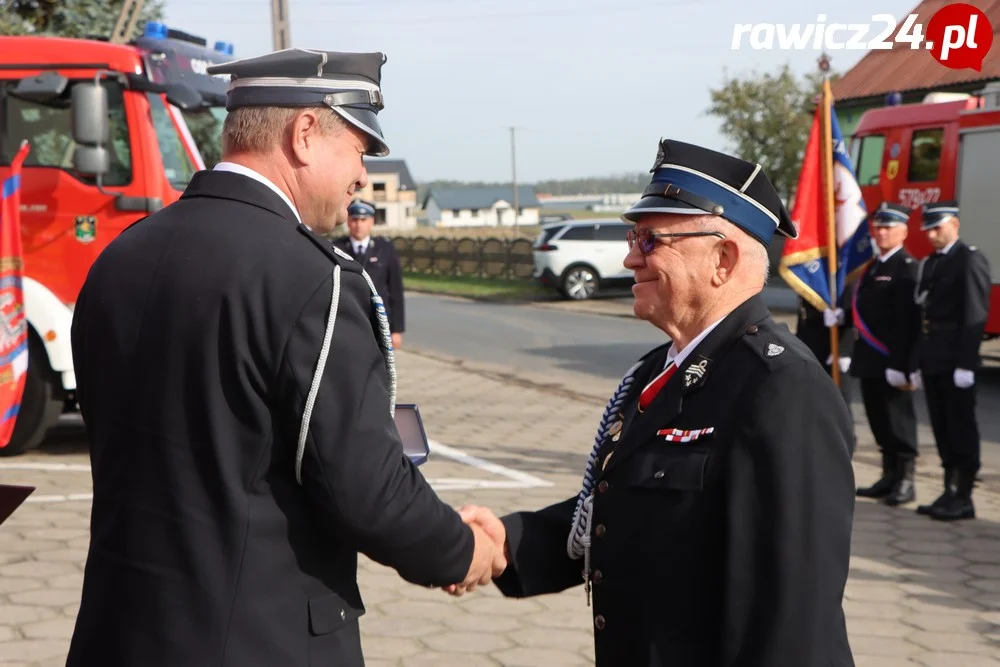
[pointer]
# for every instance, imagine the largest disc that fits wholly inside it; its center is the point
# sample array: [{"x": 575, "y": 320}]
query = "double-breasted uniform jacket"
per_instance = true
[
  {"x": 195, "y": 338},
  {"x": 727, "y": 550},
  {"x": 956, "y": 286},
  {"x": 889, "y": 318},
  {"x": 381, "y": 261}
]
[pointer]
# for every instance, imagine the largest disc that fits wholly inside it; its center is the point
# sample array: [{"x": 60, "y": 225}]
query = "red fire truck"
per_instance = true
[
  {"x": 945, "y": 148},
  {"x": 113, "y": 131}
]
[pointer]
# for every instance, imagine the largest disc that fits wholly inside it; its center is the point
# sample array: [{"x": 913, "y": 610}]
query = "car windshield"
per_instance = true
[
  {"x": 206, "y": 128},
  {"x": 178, "y": 166}
]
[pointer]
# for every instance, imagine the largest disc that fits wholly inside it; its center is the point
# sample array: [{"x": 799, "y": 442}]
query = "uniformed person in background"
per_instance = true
[
  {"x": 953, "y": 293},
  {"x": 379, "y": 258},
  {"x": 714, "y": 522},
  {"x": 238, "y": 400},
  {"x": 885, "y": 317}
]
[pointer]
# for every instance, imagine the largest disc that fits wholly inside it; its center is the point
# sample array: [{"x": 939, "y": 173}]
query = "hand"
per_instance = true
[
  {"x": 833, "y": 317},
  {"x": 916, "y": 380},
  {"x": 845, "y": 364},
  {"x": 895, "y": 378},
  {"x": 491, "y": 553},
  {"x": 397, "y": 340},
  {"x": 963, "y": 378}
]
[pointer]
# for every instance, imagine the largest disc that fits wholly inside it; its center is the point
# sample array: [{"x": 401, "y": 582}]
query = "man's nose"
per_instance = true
[{"x": 634, "y": 259}]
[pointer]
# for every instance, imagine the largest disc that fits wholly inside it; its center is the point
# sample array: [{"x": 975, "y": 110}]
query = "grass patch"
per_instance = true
[{"x": 478, "y": 288}]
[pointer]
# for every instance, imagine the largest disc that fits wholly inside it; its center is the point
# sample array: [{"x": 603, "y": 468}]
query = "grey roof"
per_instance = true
[
  {"x": 392, "y": 167},
  {"x": 481, "y": 197}
]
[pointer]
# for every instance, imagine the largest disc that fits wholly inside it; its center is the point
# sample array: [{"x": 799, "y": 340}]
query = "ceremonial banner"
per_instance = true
[{"x": 13, "y": 325}]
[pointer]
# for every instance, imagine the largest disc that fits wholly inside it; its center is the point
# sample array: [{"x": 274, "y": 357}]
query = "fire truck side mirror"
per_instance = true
[{"x": 90, "y": 128}]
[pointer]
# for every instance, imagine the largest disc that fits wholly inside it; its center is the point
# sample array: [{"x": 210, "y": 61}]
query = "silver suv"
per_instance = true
[{"x": 578, "y": 257}]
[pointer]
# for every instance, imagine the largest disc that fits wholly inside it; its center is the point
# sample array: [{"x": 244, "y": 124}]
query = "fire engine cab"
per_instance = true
[
  {"x": 114, "y": 132},
  {"x": 947, "y": 147}
]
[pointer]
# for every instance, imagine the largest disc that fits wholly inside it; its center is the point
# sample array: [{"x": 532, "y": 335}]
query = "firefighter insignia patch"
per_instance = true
[{"x": 774, "y": 350}]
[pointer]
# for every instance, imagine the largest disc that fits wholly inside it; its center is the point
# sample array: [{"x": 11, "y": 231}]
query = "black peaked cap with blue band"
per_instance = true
[
  {"x": 361, "y": 208},
  {"x": 348, "y": 83},
  {"x": 938, "y": 213},
  {"x": 889, "y": 214},
  {"x": 691, "y": 180}
]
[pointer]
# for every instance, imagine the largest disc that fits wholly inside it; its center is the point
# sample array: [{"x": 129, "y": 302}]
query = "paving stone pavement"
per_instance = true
[{"x": 920, "y": 592}]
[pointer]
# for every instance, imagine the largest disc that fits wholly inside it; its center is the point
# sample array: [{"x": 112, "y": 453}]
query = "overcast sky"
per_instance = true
[{"x": 590, "y": 85}]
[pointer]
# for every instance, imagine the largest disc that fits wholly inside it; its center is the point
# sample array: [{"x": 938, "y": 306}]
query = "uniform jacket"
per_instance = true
[
  {"x": 884, "y": 301},
  {"x": 381, "y": 261},
  {"x": 953, "y": 317},
  {"x": 195, "y": 340},
  {"x": 731, "y": 549}
]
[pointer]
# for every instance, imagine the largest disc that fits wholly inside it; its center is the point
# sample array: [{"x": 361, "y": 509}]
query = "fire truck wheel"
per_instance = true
[{"x": 41, "y": 404}]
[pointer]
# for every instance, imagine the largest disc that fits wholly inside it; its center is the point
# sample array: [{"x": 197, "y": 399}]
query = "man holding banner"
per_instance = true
[
  {"x": 833, "y": 246},
  {"x": 13, "y": 325}
]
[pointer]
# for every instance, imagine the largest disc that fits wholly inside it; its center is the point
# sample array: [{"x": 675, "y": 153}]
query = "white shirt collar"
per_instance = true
[
  {"x": 363, "y": 242},
  {"x": 945, "y": 250},
  {"x": 886, "y": 256},
  {"x": 678, "y": 356},
  {"x": 250, "y": 173}
]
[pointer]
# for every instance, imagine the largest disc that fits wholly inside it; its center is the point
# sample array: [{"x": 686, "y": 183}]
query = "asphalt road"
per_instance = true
[{"x": 539, "y": 340}]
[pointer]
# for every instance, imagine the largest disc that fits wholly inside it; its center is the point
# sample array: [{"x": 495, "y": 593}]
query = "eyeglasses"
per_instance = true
[{"x": 647, "y": 239}]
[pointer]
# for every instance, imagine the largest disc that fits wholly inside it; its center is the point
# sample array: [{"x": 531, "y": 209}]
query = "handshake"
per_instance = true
[{"x": 490, "y": 557}]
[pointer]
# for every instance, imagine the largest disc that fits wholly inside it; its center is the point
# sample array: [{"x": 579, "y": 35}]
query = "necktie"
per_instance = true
[
  {"x": 359, "y": 249},
  {"x": 654, "y": 387}
]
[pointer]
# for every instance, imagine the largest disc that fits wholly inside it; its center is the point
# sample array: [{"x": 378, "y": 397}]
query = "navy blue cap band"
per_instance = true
[
  {"x": 889, "y": 217},
  {"x": 738, "y": 209}
]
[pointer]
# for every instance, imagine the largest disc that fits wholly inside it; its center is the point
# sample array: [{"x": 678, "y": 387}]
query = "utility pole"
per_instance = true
[
  {"x": 513, "y": 165},
  {"x": 127, "y": 18},
  {"x": 282, "y": 32}
]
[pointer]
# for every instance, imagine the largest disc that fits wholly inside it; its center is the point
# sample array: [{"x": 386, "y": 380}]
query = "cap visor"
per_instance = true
[
  {"x": 932, "y": 220},
  {"x": 660, "y": 205},
  {"x": 367, "y": 122}
]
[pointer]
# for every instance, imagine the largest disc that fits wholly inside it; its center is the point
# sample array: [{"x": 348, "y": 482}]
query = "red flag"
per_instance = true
[
  {"x": 804, "y": 259},
  {"x": 13, "y": 325}
]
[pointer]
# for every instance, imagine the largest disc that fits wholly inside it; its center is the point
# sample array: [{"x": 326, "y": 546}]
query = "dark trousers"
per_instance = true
[
  {"x": 953, "y": 420},
  {"x": 891, "y": 417}
]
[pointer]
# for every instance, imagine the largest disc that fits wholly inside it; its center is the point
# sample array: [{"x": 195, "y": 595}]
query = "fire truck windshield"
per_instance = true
[{"x": 206, "y": 129}]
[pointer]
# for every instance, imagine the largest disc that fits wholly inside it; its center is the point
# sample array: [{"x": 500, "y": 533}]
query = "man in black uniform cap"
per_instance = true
[
  {"x": 237, "y": 381},
  {"x": 953, "y": 294},
  {"x": 886, "y": 319},
  {"x": 714, "y": 522},
  {"x": 379, "y": 258}
]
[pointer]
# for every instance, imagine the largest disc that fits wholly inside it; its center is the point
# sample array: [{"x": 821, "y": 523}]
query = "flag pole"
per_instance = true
[{"x": 831, "y": 244}]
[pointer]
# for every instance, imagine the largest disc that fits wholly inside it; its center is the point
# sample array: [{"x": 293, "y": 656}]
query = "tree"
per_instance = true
[
  {"x": 767, "y": 117},
  {"x": 70, "y": 18}
]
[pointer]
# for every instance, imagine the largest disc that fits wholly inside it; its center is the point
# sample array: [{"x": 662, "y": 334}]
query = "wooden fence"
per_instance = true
[{"x": 490, "y": 257}]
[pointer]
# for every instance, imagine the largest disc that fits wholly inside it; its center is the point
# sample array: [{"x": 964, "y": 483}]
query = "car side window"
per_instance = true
[
  {"x": 578, "y": 233},
  {"x": 611, "y": 232}
]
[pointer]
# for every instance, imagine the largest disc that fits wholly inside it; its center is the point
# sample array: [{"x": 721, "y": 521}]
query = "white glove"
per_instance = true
[
  {"x": 895, "y": 378},
  {"x": 832, "y": 317},
  {"x": 963, "y": 378},
  {"x": 845, "y": 364},
  {"x": 916, "y": 380}
]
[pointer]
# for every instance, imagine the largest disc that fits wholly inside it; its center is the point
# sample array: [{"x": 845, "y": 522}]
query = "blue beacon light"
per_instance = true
[{"x": 155, "y": 30}]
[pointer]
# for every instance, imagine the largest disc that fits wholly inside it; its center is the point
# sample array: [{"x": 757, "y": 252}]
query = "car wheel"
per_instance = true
[{"x": 579, "y": 282}]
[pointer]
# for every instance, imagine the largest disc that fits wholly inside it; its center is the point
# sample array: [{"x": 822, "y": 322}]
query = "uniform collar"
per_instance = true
[
  {"x": 886, "y": 256},
  {"x": 945, "y": 250},
  {"x": 678, "y": 356},
  {"x": 260, "y": 178}
]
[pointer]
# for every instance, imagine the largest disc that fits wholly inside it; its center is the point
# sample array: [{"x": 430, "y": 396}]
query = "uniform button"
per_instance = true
[
  {"x": 753, "y": 329},
  {"x": 600, "y": 530},
  {"x": 599, "y": 622},
  {"x": 598, "y": 577},
  {"x": 603, "y": 486},
  {"x": 343, "y": 614},
  {"x": 658, "y": 474}
]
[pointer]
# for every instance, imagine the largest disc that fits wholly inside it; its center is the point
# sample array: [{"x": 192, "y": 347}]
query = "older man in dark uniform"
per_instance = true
[
  {"x": 239, "y": 401},
  {"x": 886, "y": 319},
  {"x": 714, "y": 523},
  {"x": 379, "y": 258},
  {"x": 953, "y": 293}
]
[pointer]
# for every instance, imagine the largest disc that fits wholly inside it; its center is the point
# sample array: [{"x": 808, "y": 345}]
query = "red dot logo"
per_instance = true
[{"x": 959, "y": 36}]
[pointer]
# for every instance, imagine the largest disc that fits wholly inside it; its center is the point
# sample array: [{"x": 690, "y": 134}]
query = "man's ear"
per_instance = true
[
  {"x": 305, "y": 131},
  {"x": 726, "y": 261}
]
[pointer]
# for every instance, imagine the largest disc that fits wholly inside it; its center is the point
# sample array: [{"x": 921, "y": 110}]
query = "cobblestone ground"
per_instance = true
[{"x": 920, "y": 592}]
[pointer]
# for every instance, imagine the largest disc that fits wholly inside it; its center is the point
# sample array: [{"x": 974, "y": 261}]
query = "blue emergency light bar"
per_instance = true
[{"x": 157, "y": 30}]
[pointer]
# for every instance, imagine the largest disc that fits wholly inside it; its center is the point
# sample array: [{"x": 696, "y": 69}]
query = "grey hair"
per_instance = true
[{"x": 752, "y": 250}]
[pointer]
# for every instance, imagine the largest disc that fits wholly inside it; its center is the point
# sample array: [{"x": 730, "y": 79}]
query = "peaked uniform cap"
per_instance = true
[
  {"x": 889, "y": 214},
  {"x": 360, "y": 207},
  {"x": 692, "y": 180},
  {"x": 938, "y": 213},
  {"x": 348, "y": 83}
]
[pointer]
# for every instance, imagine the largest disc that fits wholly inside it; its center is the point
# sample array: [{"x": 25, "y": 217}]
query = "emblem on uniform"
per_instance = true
[
  {"x": 695, "y": 372},
  {"x": 85, "y": 228},
  {"x": 774, "y": 350},
  {"x": 372, "y": 260},
  {"x": 661, "y": 156},
  {"x": 680, "y": 435}
]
